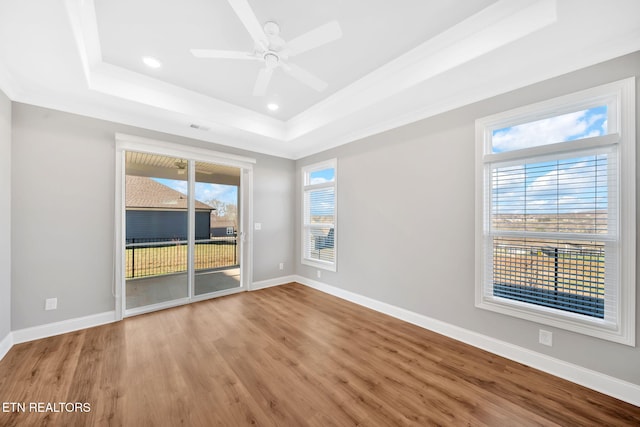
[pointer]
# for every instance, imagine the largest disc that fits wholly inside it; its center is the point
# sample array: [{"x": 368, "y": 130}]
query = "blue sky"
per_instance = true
[
  {"x": 566, "y": 127},
  {"x": 569, "y": 185},
  {"x": 205, "y": 191},
  {"x": 324, "y": 175}
]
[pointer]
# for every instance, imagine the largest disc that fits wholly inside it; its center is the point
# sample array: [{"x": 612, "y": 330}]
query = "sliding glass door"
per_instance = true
[
  {"x": 156, "y": 229},
  {"x": 182, "y": 228},
  {"x": 216, "y": 254}
]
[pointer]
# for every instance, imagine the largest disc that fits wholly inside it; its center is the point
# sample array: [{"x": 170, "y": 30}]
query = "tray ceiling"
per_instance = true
[{"x": 395, "y": 63}]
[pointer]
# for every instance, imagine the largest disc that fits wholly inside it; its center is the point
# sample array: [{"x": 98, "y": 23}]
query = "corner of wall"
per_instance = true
[
  {"x": 5, "y": 345},
  {"x": 5, "y": 224}
]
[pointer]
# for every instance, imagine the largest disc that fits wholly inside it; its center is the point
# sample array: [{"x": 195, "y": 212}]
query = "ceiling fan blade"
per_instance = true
[
  {"x": 262, "y": 82},
  {"x": 225, "y": 54},
  {"x": 250, "y": 21},
  {"x": 304, "y": 76},
  {"x": 322, "y": 35}
]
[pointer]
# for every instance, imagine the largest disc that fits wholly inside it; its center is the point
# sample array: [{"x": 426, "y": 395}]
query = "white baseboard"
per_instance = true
[
  {"x": 273, "y": 282},
  {"x": 62, "y": 327},
  {"x": 594, "y": 380},
  {"x": 6, "y": 344},
  {"x": 57, "y": 328}
]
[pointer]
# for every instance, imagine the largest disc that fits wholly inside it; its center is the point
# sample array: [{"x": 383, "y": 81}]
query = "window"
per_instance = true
[
  {"x": 555, "y": 237},
  {"x": 319, "y": 231}
]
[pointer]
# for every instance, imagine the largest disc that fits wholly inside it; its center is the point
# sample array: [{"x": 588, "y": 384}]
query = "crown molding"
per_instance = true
[{"x": 498, "y": 25}]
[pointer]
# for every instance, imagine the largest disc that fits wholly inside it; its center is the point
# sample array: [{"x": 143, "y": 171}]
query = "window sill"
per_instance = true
[
  {"x": 594, "y": 327},
  {"x": 329, "y": 266}
]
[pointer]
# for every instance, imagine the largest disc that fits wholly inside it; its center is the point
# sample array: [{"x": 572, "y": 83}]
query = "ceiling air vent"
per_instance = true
[{"x": 199, "y": 127}]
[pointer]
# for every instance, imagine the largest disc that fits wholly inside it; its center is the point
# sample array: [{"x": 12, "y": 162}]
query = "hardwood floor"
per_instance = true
[{"x": 284, "y": 356}]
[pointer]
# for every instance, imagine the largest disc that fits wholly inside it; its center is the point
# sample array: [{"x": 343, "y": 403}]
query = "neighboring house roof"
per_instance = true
[
  {"x": 145, "y": 193},
  {"x": 215, "y": 223}
]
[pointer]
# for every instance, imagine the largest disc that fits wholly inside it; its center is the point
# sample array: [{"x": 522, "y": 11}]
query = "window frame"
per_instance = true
[
  {"x": 306, "y": 186},
  {"x": 620, "y": 99}
]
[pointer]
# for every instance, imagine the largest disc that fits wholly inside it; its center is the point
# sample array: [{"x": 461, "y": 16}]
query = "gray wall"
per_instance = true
[
  {"x": 274, "y": 202},
  {"x": 406, "y": 223},
  {"x": 63, "y": 183},
  {"x": 5, "y": 216}
]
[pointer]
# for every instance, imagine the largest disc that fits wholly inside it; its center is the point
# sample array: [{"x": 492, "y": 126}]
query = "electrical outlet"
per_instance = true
[
  {"x": 51, "y": 303},
  {"x": 281, "y": 266},
  {"x": 257, "y": 226},
  {"x": 545, "y": 337},
  {"x": 319, "y": 274}
]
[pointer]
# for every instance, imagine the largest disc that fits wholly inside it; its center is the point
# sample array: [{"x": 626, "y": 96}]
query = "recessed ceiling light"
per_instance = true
[
  {"x": 151, "y": 62},
  {"x": 273, "y": 106}
]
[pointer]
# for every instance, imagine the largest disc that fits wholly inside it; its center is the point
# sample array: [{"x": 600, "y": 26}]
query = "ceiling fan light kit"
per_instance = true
[{"x": 273, "y": 50}]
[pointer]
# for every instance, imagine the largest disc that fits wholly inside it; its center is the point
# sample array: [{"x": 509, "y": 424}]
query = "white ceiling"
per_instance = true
[
  {"x": 395, "y": 63},
  {"x": 374, "y": 33}
]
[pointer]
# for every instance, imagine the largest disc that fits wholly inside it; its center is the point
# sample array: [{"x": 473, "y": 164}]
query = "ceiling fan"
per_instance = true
[
  {"x": 182, "y": 166},
  {"x": 273, "y": 50}
]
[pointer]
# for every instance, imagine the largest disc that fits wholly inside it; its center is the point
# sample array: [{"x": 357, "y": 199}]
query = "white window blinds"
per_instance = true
[
  {"x": 550, "y": 222},
  {"x": 319, "y": 215},
  {"x": 556, "y": 232}
]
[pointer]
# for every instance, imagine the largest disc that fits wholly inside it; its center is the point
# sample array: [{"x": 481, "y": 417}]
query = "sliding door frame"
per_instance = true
[{"x": 126, "y": 143}]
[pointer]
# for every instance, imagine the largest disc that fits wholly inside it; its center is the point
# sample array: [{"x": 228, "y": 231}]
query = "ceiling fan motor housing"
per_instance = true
[
  {"x": 273, "y": 50},
  {"x": 271, "y": 59}
]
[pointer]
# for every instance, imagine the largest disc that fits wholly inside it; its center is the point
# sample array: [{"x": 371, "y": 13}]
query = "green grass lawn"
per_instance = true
[
  {"x": 154, "y": 261},
  {"x": 576, "y": 274}
]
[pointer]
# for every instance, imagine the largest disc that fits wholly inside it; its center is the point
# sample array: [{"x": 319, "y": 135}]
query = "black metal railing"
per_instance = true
[
  {"x": 569, "y": 278},
  {"x": 152, "y": 257}
]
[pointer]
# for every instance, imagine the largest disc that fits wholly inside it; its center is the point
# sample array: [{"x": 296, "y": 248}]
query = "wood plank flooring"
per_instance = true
[{"x": 284, "y": 356}]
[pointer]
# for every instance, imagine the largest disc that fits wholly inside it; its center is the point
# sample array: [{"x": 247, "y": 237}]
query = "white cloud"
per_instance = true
[
  {"x": 509, "y": 185},
  {"x": 223, "y": 193},
  {"x": 547, "y": 131},
  {"x": 318, "y": 180},
  {"x": 594, "y": 118},
  {"x": 180, "y": 186},
  {"x": 567, "y": 187}
]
